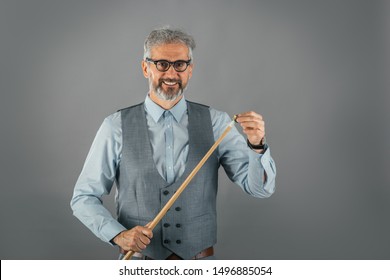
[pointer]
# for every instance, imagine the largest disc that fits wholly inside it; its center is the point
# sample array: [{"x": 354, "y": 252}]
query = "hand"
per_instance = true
[
  {"x": 253, "y": 126},
  {"x": 135, "y": 239}
]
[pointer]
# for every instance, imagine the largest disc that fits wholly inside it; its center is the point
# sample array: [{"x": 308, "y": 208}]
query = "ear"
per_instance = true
[
  {"x": 191, "y": 67},
  {"x": 145, "y": 68}
]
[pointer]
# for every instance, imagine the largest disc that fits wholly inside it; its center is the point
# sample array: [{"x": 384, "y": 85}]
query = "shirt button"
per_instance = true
[
  {"x": 177, "y": 208},
  {"x": 166, "y": 192},
  {"x": 166, "y": 225},
  {"x": 178, "y": 225},
  {"x": 178, "y": 241},
  {"x": 166, "y": 241}
]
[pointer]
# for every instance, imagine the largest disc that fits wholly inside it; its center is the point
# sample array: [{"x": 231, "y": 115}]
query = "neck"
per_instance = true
[{"x": 165, "y": 104}]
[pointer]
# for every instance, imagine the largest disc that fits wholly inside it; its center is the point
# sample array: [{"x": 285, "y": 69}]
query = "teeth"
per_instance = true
[{"x": 170, "y": 83}]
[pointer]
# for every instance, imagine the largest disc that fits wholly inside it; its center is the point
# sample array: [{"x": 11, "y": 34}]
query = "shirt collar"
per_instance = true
[{"x": 155, "y": 111}]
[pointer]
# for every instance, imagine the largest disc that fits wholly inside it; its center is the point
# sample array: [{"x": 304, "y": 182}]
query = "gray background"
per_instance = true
[{"x": 316, "y": 71}]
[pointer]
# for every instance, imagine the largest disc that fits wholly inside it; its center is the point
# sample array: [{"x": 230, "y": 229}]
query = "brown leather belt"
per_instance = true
[{"x": 202, "y": 254}]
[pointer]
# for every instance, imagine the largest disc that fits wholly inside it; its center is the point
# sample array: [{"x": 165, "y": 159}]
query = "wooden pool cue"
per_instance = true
[{"x": 176, "y": 195}]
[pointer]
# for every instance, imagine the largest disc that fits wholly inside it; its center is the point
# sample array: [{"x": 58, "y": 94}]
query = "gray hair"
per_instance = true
[{"x": 167, "y": 35}]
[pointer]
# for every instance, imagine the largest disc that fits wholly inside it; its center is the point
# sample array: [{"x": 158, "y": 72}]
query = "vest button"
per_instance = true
[
  {"x": 166, "y": 241},
  {"x": 166, "y": 225},
  {"x": 177, "y": 208},
  {"x": 178, "y": 241},
  {"x": 166, "y": 192},
  {"x": 178, "y": 225}
]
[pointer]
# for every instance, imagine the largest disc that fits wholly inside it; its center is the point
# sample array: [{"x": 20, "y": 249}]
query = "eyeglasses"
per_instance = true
[{"x": 164, "y": 65}]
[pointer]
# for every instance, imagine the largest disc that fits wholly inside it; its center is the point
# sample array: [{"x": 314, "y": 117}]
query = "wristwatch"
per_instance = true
[{"x": 257, "y": 147}]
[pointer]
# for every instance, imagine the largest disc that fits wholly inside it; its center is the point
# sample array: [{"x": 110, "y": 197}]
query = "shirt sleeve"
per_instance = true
[
  {"x": 243, "y": 166},
  {"x": 97, "y": 178}
]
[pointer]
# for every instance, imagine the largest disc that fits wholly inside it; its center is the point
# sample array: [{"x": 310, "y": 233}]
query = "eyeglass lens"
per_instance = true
[{"x": 179, "y": 65}]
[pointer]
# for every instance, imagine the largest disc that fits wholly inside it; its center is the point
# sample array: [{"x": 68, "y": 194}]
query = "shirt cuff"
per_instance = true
[
  {"x": 267, "y": 162},
  {"x": 262, "y": 163},
  {"x": 111, "y": 230}
]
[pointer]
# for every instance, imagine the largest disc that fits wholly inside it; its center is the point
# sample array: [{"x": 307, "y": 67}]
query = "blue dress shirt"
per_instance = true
[{"x": 169, "y": 140}]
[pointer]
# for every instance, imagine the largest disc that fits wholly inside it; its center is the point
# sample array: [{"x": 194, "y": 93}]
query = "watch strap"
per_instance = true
[{"x": 257, "y": 147}]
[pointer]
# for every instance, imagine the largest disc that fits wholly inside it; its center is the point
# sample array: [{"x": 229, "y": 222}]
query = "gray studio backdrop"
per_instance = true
[{"x": 316, "y": 71}]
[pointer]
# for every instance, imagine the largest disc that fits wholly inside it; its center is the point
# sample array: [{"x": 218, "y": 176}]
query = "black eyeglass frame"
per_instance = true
[{"x": 187, "y": 62}]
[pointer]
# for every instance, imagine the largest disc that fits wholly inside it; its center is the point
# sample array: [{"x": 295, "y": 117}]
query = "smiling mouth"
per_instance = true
[{"x": 169, "y": 83}]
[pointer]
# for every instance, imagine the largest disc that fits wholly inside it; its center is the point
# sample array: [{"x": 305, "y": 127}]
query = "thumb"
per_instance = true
[{"x": 148, "y": 232}]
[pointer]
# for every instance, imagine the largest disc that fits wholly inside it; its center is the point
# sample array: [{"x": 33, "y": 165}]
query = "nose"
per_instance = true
[{"x": 171, "y": 72}]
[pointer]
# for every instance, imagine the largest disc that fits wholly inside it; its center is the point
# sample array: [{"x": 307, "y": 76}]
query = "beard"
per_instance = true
[{"x": 171, "y": 93}]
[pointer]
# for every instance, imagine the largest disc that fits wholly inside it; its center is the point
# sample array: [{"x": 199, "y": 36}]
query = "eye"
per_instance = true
[
  {"x": 180, "y": 64},
  {"x": 163, "y": 64}
]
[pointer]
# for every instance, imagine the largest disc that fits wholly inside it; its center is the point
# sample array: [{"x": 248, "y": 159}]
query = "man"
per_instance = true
[{"x": 150, "y": 148}]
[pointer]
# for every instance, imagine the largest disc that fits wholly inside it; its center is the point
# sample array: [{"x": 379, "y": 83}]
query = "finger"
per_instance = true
[
  {"x": 144, "y": 240},
  {"x": 148, "y": 224},
  {"x": 254, "y": 134},
  {"x": 251, "y": 131},
  {"x": 147, "y": 232},
  {"x": 135, "y": 244},
  {"x": 253, "y": 125},
  {"x": 136, "y": 247},
  {"x": 140, "y": 244},
  {"x": 251, "y": 122},
  {"x": 244, "y": 118},
  {"x": 254, "y": 139},
  {"x": 262, "y": 128},
  {"x": 250, "y": 114}
]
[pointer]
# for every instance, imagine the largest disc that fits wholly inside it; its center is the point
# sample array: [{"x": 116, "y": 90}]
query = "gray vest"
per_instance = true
[{"x": 190, "y": 225}]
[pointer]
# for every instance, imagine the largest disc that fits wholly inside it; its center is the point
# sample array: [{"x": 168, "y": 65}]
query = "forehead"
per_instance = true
[{"x": 176, "y": 51}]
